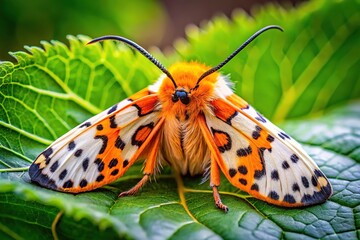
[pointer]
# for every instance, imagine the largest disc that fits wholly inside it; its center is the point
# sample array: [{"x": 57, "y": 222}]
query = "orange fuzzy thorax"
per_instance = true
[{"x": 186, "y": 75}]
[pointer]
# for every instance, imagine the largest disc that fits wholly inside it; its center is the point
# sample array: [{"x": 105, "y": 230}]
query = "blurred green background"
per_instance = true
[{"x": 150, "y": 22}]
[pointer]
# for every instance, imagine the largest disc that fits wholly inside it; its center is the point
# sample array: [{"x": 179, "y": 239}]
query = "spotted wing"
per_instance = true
[
  {"x": 261, "y": 159},
  {"x": 101, "y": 149}
]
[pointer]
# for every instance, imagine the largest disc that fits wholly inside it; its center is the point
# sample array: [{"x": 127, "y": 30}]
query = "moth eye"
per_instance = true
[
  {"x": 174, "y": 98},
  {"x": 185, "y": 100},
  {"x": 182, "y": 95}
]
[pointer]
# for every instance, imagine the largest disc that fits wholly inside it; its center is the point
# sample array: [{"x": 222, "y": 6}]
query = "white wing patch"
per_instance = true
[
  {"x": 99, "y": 150},
  {"x": 293, "y": 175},
  {"x": 262, "y": 159},
  {"x": 238, "y": 141}
]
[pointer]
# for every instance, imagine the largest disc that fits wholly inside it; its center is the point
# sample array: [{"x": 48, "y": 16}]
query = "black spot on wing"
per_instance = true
[
  {"x": 83, "y": 183},
  {"x": 283, "y": 135},
  {"x": 114, "y": 172},
  {"x": 243, "y": 181},
  {"x": 99, "y": 127},
  {"x": 47, "y": 161},
  {"x": 273, "y": 195},
  {"x": 71, "y": 145},
  {"x": 232, "y": 172},
  {"x": 100, "y": 164},
  {"x": 318, "y": 197},
  {"x": 41, "y": 179},
  {"x": 294, "y": 158},
  {"x": 260, "y": 118},
  {"x": 255, "y": 187},
  {"x": 256, "y": 133},
  {"x": 314, "y": 181},
  {"x": 305, "y": 181},
  {"x": 270, "y": 138},
  {"x": 275, "y": 175},
  {"x": 34, "y": 171},
  {"x": 295, "y": 187},
  {"x": 63, "y": 174},
  {"x": 260, "y": 173},
  {"x": 54, "y": 166},
  {"x": 289, "y": 198},
  {"x": 242, "y": 169},
  {"x": 100, "y": 178},
  {"x": 45, "y": 181},
  {"x": 125, "y": 163},
  {"x": 318, "y": 173},
  {"x": 104, "y": 144},
  {"x": 78, "y": 153},
  {"x": 112, "y": 122},
  {"x": 68, "y": 184},
  {"x": 113, "y": 163},
  {"x": 85, "y": 125},
  {"x": 112, "y": 109},
  {"x": 119, "y": 143},
  {"x": 85, "y": 164},
  {"x": 243, "y": 152},
  {"x": 51, "y": 184},
  {"x": 285, "y": 165},
  {"x": 48, "y": 152}
]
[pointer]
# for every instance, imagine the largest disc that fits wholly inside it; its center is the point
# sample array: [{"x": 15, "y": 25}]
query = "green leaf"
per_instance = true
[
  {"x": 305, "y": 70},
  {"x": 309, "y": 69}
]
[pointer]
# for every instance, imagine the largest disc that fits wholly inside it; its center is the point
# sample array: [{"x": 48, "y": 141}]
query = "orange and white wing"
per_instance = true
[
  {"x": 261, "y": 159},
  {"x": 101, "y": 149}
]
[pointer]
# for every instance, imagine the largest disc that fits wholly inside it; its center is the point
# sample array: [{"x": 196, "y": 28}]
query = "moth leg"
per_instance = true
[
  {"x": 215, "y": 183},
  {"x": 148, "y": 169},
  {"x": 134, "y": 190}
]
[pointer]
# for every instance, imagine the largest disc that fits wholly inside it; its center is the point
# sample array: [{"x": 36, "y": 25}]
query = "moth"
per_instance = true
[{"x": 191, "y": 120}]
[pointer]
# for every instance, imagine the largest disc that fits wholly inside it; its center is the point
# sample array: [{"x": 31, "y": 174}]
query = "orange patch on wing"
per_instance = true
[
  {"x": 141, "y": 134},
  {"x": 142, "y": 93},
  {"x": 146, "y": 105},
  {"x": 226, "y": 111},
  {"x": 222, "y": 140},
  {"x": 223, "y": 111},
  {"x": 276, "y": 202},
  {"x": 237, "y": 101}
]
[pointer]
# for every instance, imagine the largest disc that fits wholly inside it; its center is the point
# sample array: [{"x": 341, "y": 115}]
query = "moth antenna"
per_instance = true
[
  {"x": 138, "y": 48},
  {"x": 255, "y": 35}
]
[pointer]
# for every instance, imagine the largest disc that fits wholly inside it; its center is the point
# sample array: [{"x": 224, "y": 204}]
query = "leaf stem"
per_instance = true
[
  {"x": 26, "y": 134},
  {"x": 19, "y": 169},
  {"x": 54, "y": 223},
  {"x": 181, "y": 190},
  {"x": 9, "y": 232}
]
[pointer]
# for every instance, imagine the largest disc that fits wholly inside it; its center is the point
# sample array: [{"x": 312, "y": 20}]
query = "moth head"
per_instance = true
[
  {"x": 182, "y": 95},
  {"x": 185, "y": 75}
]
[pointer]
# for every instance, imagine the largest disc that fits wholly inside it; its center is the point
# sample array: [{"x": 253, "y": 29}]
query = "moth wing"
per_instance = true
[
  {"x": 101, "y": 149},
  {"x": 261, "y": 159}
]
